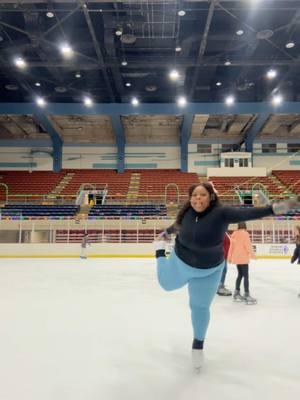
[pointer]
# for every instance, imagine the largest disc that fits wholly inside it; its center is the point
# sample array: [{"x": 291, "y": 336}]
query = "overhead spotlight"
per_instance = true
[
  {"x": 40, "y": 101},
  {"x": 181, "y": 101},
  {"x": 37, "y": 84},
  {"x": 134, "y": 101},
  {"x": 229, "y": 100},
  {"x": 181, "y": 13},
  {"x": 174, "y": 75},
  {"x": 271, "y": 74},
  {"x": 66, "y": 50},
  {"x": 78, "y": 75},
  {"x": 290, "y": 45},
  {"x": 227, "y": 63},
  {"x": 50, "y": 14},
  {"x": 20, "y": 62},
  {"x": 119, "y": 31},
  {"x": 178, "y": 49},
  {"x": 277, "y": 99},
  {"x": 240, "y": 32},
  {"x": 124, "y": 63},
  {"x": 219, "y": 84},
  {"x": 128, "y": 84},
  {"x": 88, "y": 101}
]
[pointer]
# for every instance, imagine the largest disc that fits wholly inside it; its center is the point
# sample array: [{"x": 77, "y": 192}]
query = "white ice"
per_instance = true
[{"x": 103, "y": 329}]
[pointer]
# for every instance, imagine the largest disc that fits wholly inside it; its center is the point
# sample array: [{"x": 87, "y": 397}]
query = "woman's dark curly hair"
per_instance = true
[{"x": 214, "y": 200}]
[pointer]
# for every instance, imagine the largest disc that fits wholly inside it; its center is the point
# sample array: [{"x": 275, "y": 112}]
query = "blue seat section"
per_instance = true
[
  {"x": 129, "y": 211},
  {"x": 30, "y": 210}
]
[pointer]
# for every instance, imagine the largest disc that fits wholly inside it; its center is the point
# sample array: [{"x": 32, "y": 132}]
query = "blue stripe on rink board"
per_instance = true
[{"x": 294, "y": 162}]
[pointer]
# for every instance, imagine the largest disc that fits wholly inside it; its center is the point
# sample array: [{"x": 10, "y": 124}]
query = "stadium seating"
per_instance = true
[
  {"x": 291, "y": 179},
  {"x": 130, "y": 211},
  {"x": 117, "y": 184},
  {"x": 39, "y": 211}
]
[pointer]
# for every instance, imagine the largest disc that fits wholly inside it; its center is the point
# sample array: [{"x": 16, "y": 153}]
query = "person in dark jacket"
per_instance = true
[
  {"x": 198, "y": 256},
  {"x": 296, "y": 255},
  {"x": 222, "y": 290}
]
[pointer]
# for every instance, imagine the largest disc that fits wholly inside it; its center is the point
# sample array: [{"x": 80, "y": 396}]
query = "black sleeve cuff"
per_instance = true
[{"x": 160, "y": 253}]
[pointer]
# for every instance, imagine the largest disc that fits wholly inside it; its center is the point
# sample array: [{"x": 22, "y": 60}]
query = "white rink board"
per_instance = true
[{"x": 115, "y": 249}]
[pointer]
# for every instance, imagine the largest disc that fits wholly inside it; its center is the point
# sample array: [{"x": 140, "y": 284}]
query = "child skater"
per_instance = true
[
  {"x": 240, "y": 253},
  {"x": 198, "y": 258}
]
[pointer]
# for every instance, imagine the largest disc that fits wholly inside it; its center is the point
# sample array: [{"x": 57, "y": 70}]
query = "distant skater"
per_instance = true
[
  {"x": 296, "y": 255},
  {"x": 84, "y": 243},
  {"x": 222, "y": 290},
  {"x": 240, "y": 253}
]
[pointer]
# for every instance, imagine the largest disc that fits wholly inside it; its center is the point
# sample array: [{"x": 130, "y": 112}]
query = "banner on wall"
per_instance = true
[{"x": 274, "y": 250}]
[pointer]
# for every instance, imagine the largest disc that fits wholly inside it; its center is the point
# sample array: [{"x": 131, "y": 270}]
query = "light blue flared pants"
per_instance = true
[{"x": 173, "y": 274}]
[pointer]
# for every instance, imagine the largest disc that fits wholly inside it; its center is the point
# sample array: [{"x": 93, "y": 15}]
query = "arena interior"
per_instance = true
[{"x": 109, "y": 111}]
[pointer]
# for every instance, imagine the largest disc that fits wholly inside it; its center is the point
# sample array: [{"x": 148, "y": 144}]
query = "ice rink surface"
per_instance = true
[{"x": 96, "y": 329}]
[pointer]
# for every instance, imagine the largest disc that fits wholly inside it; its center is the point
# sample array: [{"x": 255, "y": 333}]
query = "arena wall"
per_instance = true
[{"x": 101, "y": 250}]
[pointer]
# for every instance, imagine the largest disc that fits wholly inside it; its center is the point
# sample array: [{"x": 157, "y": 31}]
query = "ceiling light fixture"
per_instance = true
[
  {"x": 128, "y": 84},
  {"x": 78, "y": 75},
  {"x": 271, "y": 74},
  {"x": 135, "y": 101},
  {"x": 119, "y": 31},
  {"x": 20, "y": 62},
  {"x": 277, "y": 100},
  {"x": 178, "y": 49},
  {"x": 181, "y": 101},
  {"x": 227, "y": 63},
  {"x": 50, "y": 14},
  {"x": 88, "y": 101},
  {"x": 240, "y": 32},
  {"x": 66, "y": 50},
  {"x": 37, "y": 84},
  {"x": 229, "y": 100},
  {"x": 174, "y": 75},
  {"x": 40, "y": 101},
  {"x": 124, "y": 63},
  {"x": 219, "y": 84},
  {"x": 290, "y": 45},
  {"x": 181, "y": 13}
]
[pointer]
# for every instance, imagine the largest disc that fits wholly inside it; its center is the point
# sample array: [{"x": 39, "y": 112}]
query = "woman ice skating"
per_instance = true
[
  {"x": 240, "y": 253},
  {"x": 198, "y": 258}
]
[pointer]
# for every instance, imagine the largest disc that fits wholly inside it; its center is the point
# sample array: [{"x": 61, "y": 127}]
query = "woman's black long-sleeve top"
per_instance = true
[{"x": 199, "y": 241}]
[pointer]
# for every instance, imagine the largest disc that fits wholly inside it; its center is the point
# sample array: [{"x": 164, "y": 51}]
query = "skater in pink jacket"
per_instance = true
[{"x": 240, "y": 253}]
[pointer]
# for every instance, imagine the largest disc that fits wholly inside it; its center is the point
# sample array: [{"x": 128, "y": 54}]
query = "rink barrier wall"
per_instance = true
[{"x": 115, "y": 250}]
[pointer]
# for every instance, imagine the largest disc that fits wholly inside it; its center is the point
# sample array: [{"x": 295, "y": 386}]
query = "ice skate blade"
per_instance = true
[
  {"x": 222, "y": 294},
  {"x": 250, "y": 303}
]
